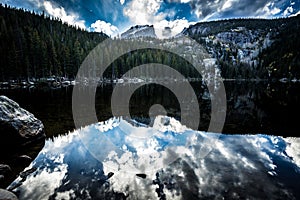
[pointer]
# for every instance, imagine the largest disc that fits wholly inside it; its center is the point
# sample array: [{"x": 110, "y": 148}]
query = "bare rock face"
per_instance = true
[
  {"x": 18, "y": 127},
  {"x": 139, "y": 31}
]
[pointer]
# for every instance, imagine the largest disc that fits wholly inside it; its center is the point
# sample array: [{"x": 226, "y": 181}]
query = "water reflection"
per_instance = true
[
  {"x": 63, "y": 168},
  {"x": 101, "y": 161},
  {"x": 252, "y": 107}
]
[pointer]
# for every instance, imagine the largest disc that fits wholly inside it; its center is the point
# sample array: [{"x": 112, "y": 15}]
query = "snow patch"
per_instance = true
[{"x": 293, "y": 149}]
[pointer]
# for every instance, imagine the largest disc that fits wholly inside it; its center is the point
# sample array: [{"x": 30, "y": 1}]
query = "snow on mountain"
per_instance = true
[
  {"x": 139, "y": 31},
  {"x": 241, "y": 42}
]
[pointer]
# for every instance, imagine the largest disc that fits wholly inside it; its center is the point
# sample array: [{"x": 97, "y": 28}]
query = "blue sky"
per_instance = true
[{"x": 116, "y": 16}]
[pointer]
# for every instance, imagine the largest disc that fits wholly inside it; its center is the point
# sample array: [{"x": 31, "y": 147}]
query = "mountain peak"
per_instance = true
[{"x": 139, "y": 31}]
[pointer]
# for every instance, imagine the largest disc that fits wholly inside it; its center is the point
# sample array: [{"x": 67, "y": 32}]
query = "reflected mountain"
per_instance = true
[{"x": 120, "y": 159}]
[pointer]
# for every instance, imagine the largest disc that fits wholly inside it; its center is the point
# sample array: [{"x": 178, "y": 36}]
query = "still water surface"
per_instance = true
[
  {"x": 102, "y": 160},
  {"x": 252, "y": 107}
]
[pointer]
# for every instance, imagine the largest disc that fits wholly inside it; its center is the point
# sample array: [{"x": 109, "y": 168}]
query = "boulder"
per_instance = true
[
  {"x": 6, "y": 195},
  {"x": 23, "y": 160},
  {"x": 18, "y": 127}
]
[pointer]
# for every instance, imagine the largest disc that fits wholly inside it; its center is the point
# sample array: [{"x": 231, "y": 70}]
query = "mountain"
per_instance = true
[
  {"x": 36, "y": 46},
  {"x": 244, "y": 48},
  {"x": 139, "y": 31},
  {"x": 252, "y": 48}
]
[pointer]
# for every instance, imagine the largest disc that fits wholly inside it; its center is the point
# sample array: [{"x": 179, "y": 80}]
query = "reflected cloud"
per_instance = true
[{"x": 121, "y": 159}]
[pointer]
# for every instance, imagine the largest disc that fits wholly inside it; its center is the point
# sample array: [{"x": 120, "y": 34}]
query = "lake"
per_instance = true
[
  {"x": 252, "y": 107},
  {"x": 153, "y": 157}
]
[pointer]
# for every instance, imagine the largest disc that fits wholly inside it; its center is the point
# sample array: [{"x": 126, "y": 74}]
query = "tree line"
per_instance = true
[
  {"x": 282, "y": 58},
  {"x": 34, "y": 45}
]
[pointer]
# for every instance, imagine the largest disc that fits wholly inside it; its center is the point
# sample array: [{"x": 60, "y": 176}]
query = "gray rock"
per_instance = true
[
  {"x": 23, "y": 160},
  {"x": 139, "y": 31},
  {"x": 6, "y": 195},
  {"x": 18, "y": 126},
  {"x": 25, "y": 157}
]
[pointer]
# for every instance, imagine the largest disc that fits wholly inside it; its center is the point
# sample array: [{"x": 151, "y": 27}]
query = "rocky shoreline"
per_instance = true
[{"x": 22, "y": 136}]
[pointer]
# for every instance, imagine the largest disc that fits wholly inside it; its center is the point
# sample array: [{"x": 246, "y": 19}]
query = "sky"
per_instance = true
[{"x": 116, "y": 16}]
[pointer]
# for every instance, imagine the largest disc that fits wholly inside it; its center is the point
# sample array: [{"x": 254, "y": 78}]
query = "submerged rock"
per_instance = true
[
  {"x": 4, "y": 169},
  {"x": 141, "y": 175},
  {"x": 21, "y": 136},
  {"x": 17, "y": 126},
  {"x": 23, "y": 160}
]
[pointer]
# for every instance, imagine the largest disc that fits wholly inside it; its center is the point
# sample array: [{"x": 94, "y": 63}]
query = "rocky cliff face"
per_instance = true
[
  {"x": 139, "y": 31},
  {"x": 244, "y": 42},
  {"x": 251, "y": 48},
  {"x": 242, "y": 48}
]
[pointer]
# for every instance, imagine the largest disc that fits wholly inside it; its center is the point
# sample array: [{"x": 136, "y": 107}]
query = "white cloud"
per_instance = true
[
  {"x": 122, "y": 2},
  {"x": 146, "y": 12},
  {"x": 227, "y": 4},
  {"x": 175, "y": 27},
  {"x": 49, "y": 179},
  {"x": 59, "y": 12},
  {"x": 198, "y": 11},
  {"x": 105, "y": 27},
  {"x": 269, "y": 10},
  {"x": 275, "y": 11},
  {"x": 234, "y": 161},
  {"x": 288, "y": 11},
  {"x": 292, "y": 149},
  {"x": 179, "y": 1}
]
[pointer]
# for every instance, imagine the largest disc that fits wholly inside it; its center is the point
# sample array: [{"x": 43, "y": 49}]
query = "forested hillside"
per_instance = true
[
  {"x": 33, "y": 45},
  {"x": 282, "y": 58}
]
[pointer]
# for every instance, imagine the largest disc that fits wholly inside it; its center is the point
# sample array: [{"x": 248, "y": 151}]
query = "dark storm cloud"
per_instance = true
[
  {"x": 226, "y": 8},
  {"x": 216, "y": 9},
  {"x": 91, "y": 11},
  {"x": 100, "y": 16}
]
